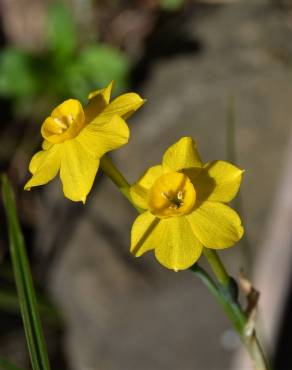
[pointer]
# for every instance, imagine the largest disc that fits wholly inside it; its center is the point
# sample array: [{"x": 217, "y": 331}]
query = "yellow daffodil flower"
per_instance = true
[
  {"x": 184, "y": 207},
  {"x": 75, "y": 138}
]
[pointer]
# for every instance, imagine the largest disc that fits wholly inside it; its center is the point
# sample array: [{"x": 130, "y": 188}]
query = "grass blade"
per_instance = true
[
  {"x": 7, "y": 365},
  {"x": 24, "y": 283}
]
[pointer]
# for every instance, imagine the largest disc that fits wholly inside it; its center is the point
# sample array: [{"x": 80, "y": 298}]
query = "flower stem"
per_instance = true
[
  {"x": 235, "y": 315},
  {"x": 217, "y": 266},
  {"x": 226, "y": 292},
  {"x": 117, "y": 178},
  {"x": 229, "y": 292},
  {"x": 115, "y": 175}
]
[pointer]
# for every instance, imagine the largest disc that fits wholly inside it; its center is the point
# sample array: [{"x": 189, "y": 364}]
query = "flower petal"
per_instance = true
[
  {"x": 177, "y": 247},
  {"x": 103, "y": 138},
  {"x": 139, "y": 190},
  {"x": 182, "y": 155},
  {"x": 218, "y": 181},
  {"x": 216, "y": 225},
  {"x": 123, "y": 106},
  {"x": 46, "y": 145},
  {"x": 78, "y": 169},
  {"x": 106, "y": 92},
  {"x": 44, "y": 166},
  {"x": 98, "y": 100},
  {"x": 142, "y": 233}
]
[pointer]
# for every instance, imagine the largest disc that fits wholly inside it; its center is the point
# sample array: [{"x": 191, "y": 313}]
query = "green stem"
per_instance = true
[
  {"x": 117, "y": 178},
  {"x": 232, "y": 308},
  {"x": 225, "y": 293},
  {"x": 217, "y": 266},
  {"x": 236, "y": 317},
  {"x": 228, "y": 287}
]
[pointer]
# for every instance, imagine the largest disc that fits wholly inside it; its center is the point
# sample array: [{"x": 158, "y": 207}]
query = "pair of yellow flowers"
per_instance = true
[{"x": 183, "y": 200}]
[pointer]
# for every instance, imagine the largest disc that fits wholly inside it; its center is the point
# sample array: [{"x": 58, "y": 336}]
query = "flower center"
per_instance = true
[
  {"x": 61, "y": 125},
  {"x": 172, "y": 194},
  {"x": 65, "y": 122}
]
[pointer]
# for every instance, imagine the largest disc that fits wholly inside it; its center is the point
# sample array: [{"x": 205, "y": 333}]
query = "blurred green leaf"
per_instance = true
[
  {"x": 61, "y": 70},
  {"x": 171, "y": 5},
  {"x": 7, "y": 365},
  {"x": 99, "y": 64},
  {"x": 24, "y": 283},
  {"x": 17, "y": 77},
  {"x": 61, "y": 32}
]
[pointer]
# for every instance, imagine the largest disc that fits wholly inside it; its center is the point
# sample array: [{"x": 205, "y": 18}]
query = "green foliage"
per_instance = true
[
  {"x": 64, "y": 69},
  {"x": 17, "y": 77},
  {"x": 98, "y": 63},
  {"x": 171, "y": 5},
  {"x": 24, "y": 284},
  {"x": 61, "y": 33}
]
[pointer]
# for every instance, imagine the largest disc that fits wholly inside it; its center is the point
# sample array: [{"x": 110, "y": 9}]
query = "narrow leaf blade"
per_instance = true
[{"x": 24, "y": 283}]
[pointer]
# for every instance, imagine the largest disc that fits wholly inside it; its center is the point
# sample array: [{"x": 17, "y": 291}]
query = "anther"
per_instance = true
[
  {"x": 180, "y": 195},
  {"x": 62, "y": 126},
  {"x": 166, "y": 196}
]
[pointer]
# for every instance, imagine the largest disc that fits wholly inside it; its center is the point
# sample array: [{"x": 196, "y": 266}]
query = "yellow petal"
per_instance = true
[
  {"x": 219, "y": 181},
  {"x": 182, "y": 155},
  {"x": 98, "y": 100},
  {"x": 123, "y": 106},
  {"x": 139, "y": 190},
  {"x": 103, "y": 138},
  {"x": 216, "y": 225},
  {"x": 46, "y": 145},
  {"x": 78, "y": 169},
  {"x": 177, "y": 248},
  {"x": 142, "y": 233},
  {"x": 44, "y": 166},
  {"x": 106, "y": 92}
]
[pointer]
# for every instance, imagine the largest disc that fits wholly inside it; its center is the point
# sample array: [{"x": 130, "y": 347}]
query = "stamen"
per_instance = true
[
  {"x": 61, "y": 124},
  {"x": 165, "y": 195},
  {"x": 176, "y": 201},
  {"x": 172, "y": 195},
  {"x": 180, "y": 195}
]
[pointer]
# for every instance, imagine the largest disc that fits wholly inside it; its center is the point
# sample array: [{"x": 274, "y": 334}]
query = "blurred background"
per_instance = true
[{"x": 217, "y": 70}]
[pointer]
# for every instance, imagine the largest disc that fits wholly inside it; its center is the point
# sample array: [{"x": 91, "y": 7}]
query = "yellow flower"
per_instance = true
[
  {"x": 184, "y": 207},
  {"x": 75, "y": 138}
]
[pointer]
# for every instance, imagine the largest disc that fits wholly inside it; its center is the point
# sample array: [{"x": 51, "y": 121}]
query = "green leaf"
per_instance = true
[
  {"x": 17, "y": 77},
  {"x": 171, "y": 5},
  {"x": 99, "y": 64},
  {"x": 24, "y": 284},
  {"x": 7, "y": 365},
  {"x": 61, "y": 31}
]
